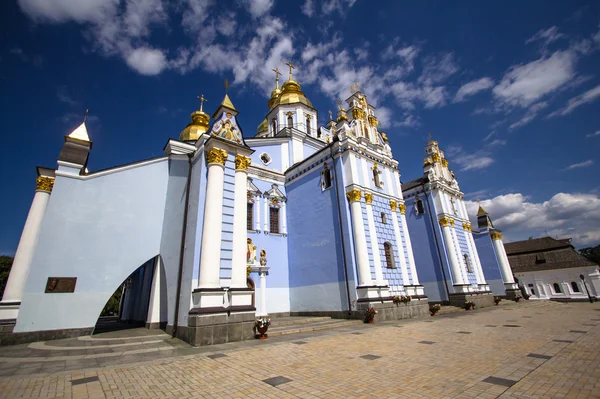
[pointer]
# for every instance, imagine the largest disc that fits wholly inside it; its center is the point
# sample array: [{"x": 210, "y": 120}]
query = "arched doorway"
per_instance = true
[{"x": 129, "y": 306}]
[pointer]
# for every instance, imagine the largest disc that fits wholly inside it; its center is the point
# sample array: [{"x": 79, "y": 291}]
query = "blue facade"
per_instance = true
[{"x": 489, "y": 263}]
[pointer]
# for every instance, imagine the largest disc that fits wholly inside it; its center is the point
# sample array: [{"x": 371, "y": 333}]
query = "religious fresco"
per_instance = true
[{"x": 227, "y": 128}]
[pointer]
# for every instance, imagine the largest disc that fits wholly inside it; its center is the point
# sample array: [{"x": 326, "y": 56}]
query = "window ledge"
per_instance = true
[{"x": 276, "y": 234}]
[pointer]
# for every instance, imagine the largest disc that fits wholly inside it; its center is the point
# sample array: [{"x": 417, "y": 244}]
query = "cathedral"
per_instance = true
[{"x": 303, "y": 218}]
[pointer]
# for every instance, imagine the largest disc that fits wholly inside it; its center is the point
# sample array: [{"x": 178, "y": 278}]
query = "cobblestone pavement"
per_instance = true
[{"x": 522, "y": 350}]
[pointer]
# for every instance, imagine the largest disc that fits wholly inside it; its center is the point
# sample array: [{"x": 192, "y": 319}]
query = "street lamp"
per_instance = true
[{"x": 582, "y": 277}]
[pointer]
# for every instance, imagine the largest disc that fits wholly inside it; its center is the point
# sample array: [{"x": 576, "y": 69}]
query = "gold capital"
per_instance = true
[
  {"x": 435, "y": 157},
  {"x": 373, "y": 121},
  {"x": 353, "y": 195},
  {"x": 445, "y": 162},
  {"x": 467, "y": 226},
  {"x": 216, "y": 155},
  {"x": 44, "y": 183},
  {"x": 496, "y": 236},
  {"x": 393, "y": 205},
  {"x": 402, "y": 209},
  {"x": 444, "y": 221},
  {"x": 368, "y": 198},
  {"x": 452, "y": 222},
  {"x": 241, "y": 162}
]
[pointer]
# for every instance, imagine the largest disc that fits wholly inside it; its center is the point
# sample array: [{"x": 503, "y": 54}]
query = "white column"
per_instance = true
[
  {"x": 403, "y": 267},
  {"x": 374, "y": 242},
  {"x": 154, "y": 304},
  {"x": 210, "y": 257},
  {"x": 257, "y": 204},
  {"x": 507, "y": 275},
  {"x": 409, "y": 249},
  {"x": 449, "y": 242},
  {"x": 283, "y": 218},
  {"x": 263, "y": 291},
  {"x": 266, "y": 205},
  {"x": 360, "y": 241},
  {"x": 240, "y": 230},
  {"x": 29, "y": 237}
]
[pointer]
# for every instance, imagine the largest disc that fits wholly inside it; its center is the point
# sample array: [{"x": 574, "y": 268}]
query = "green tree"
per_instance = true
[
  {"x": 112, "y": 306},
  {"x": 592, "y": 253},
  {"x": 5, "y": 265}
]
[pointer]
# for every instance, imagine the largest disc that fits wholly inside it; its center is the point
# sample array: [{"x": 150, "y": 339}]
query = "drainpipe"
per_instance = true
[
  {"x": 339, "y": 209},
  {"x": 183, "y": 235},
  {"x": 437, "y": 244}
]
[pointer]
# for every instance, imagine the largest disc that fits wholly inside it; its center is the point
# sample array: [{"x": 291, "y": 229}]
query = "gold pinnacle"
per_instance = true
[
  {"x": 202, "y": 99},
  {"x": 289, "y": 63},
  {"x": 277, "y": 73}
]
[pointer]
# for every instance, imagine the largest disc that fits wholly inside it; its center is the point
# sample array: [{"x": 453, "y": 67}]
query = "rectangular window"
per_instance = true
[
  {"x": 274, "y": 220},
  {"x": 468, "y": 263},
  {"x": 250, "y": 217}
]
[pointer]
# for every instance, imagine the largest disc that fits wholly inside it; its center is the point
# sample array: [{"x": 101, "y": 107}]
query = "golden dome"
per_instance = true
[
  {"x": 196, "y": 128},
  {"x": 291, "y": 94},
  {"x": 274, "y": 95},
  {"x": 263, "y": 127}
]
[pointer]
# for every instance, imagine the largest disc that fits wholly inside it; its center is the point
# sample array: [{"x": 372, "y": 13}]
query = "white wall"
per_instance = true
[{"x": 543, "y": 283}]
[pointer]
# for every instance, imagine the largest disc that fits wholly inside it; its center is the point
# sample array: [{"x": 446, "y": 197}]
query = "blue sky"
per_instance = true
[{"x": 511, "y": 90}]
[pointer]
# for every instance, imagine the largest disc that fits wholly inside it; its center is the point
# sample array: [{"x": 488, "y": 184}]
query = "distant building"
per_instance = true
[{"x": 551, "y": 269}]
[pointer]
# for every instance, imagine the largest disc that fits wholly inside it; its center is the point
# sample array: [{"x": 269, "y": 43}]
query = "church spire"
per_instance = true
[
  {"x": 483, "y": 218},
  {"x": 80, "y": 133}
]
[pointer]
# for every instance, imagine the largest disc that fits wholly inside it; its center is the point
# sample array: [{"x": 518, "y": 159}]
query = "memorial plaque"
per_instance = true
[{"x": 60, "y": 285}]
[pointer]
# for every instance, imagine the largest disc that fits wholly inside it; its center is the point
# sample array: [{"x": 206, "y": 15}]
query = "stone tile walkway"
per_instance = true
[{"x": 551, "y": 350}]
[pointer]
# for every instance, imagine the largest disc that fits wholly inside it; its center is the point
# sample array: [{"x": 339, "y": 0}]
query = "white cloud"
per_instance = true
[
  {"x": 147, "y": 61},
  {"x": 593, "y": 134},
  {"x": 258, "y": 8},
  {"x": 576, "y": 101},
  {"x": 472, "y": 88},
  {"x": 530, "y": 115},
  {"x": 564, "y": 215},
  {"x": 497, "y": 143},
  {"x": 469, "y": 161},
  {"x": 438, "y": 69},
  {"x": 308, "y": 8},
  {"x": 64, "y": 97},
  {"x": 195, "y": 14},
  {"x": 525, "y": 84},
  {"x": 545, "y": 36},
  {"x": 583, "y": 164},
  {"x": 58, "y": 11},
  {"x": 341, "y": 6}
]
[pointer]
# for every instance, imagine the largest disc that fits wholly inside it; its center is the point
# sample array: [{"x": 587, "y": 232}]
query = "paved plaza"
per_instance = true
[{"x": 519, "y": 350}]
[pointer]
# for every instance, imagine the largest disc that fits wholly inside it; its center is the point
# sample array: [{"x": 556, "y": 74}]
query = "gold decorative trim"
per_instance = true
[
  {"x": 445, "y": 162},
  {"x": 467, "y": 227},
  {"x": 427, "y": 162},
  {"x": 402, "y": 209},
  {"x": 452, "y": 222},
  {"x": 358, "y": 113},
  {"x": 216, "y": 155},
  {"x": 436, "y": 158},
  {"x": 496, "y": 236},
  {"x": 242, "y": 162},
  {"x": 373, "y": 121},
  {"x": 393, "y": 205},
  {"x": 44, "y": 183},
  {"x": 368, "y": 198},
  {"x": 353, "y": 195},
  {"x": 444, "y": 221}
]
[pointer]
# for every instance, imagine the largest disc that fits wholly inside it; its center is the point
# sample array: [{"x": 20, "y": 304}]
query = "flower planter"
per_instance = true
[{"x": 262, "y": 331}]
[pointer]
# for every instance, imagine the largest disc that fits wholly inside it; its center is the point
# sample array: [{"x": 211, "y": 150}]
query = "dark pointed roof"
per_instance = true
[{"x": 414, "y": 183}]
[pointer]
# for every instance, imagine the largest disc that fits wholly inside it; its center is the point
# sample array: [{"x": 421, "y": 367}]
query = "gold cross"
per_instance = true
[
  {"x": 289, "y": 63},
  {"x": 202, "y": 99},
  {"x": 277, "y": 73},
  {"x": 226, "y": 85},
  {"x": 354, "y": 88}
]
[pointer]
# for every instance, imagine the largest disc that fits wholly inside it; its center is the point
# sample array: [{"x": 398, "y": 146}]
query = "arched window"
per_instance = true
[
  {"x": 250, "y": 217},
  {"x": 274, "y": 126},
  {"x": 557, "y": 288},
  {"x": 290, "y": 120},
  {"x": 389, "y": 255},
  {"x": 420, "y": 207},
  {"x": 376, "y": 173},
  {"x": 326, "y": 177},
  {"x": 383, "y": 218},
  {"x": 308, "y": 124},
  {"x": 468, "y": 263},
  {"x": 575, "y": 286}
]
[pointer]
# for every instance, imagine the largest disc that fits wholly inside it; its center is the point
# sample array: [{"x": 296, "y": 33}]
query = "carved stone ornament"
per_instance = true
[
  {"x": 393, "y": 205},
  {"x": 496, "y": 236},
  {"x": 242, "y": 162},
  {"x": 250, "y": 251},
  {"x": 216, "y": 155},
  {"x": 402, "y": 208},
  {"x": 435, "y": 157},
  {"x": 44, "y": 183},
  {"x": 353, "y": 195},
  {"x": 444, "y": 221},
  {"x": 445, "y": 162},
  {"x": 263, "y": 257},
  {"x": 373, "y": 121},
  {"x": 368, "y": 198}
]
